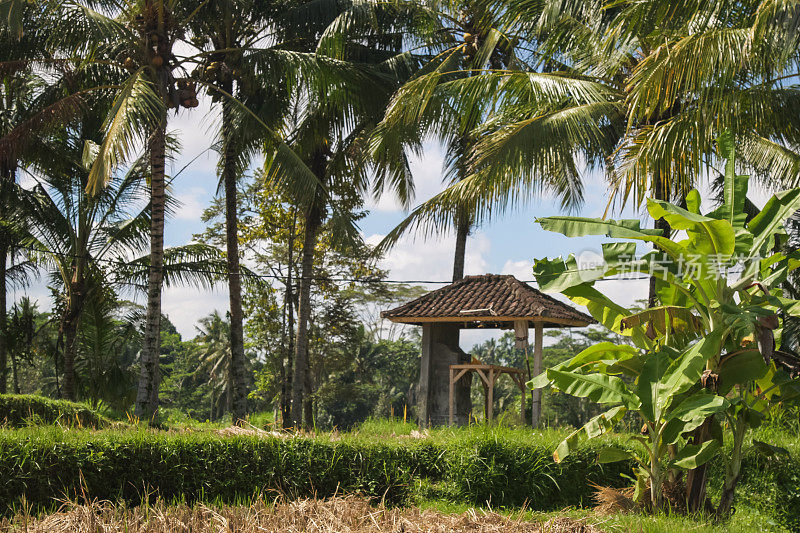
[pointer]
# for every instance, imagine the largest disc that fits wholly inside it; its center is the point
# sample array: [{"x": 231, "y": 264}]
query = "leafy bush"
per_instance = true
[
  {"x": 512, "y": 474},
  {"x": 45, "y": 464},
  {"x": 20, "y": 410}
]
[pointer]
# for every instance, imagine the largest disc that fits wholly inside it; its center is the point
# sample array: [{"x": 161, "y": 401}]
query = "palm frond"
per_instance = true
[{"x": 136, "y": 111}]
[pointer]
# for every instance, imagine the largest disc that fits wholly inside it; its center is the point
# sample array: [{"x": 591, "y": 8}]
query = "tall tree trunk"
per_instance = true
[
  {"x": 660, "y": 192},
  {"x": 238, "y": 372},
  {"x": 69, "y": 331},
  {"x": 286, "y": 403},
  {"x": 70, "y": 325},
  {"x": 3, "y": 314},
  {"x": 8, "y": 176},
  {"x": 149, "y": 378},
  {"x": 463, "y": 226},
  {"x": 312, "y": 223}
]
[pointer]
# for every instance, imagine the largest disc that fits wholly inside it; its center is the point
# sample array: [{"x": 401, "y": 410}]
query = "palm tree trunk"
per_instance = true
[
  {"x": 660, "y": 192},
  {"x": 147, "y": 394},
  {"x": 70, "y": 325},
  {"x": 463, "y": 227},
  {"x": 8, "y": 177},
  {"x": 3, "y": 314},
  {"x": 238, "y": 372},
  {"x": 286, "y": 403},
  {"x": 312, "y": 224}
]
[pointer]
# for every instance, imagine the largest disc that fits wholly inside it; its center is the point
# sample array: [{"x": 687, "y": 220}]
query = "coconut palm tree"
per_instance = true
[
  {"x": 459, "y": 39},
  {"x": 330, "y": 135},
  {"x": 237, "y": 51},
  {"x": 636, "y": 88},
  {"x": 92, "y": 241}
]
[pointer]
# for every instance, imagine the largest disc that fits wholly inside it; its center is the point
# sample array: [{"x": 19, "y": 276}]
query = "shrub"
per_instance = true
[
  {"x": 45, "y": 464},
  {"x": 20, "y": 410}
]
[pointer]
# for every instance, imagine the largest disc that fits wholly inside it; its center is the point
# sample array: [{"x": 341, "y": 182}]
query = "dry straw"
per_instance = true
[{"x": 342, "y": 514}]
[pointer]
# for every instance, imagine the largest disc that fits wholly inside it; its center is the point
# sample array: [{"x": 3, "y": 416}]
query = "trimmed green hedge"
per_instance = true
[
  {"x": 48, "y": 464},
  {"x": 21, "y": 410},
  {"x": 503, "y": 468}
]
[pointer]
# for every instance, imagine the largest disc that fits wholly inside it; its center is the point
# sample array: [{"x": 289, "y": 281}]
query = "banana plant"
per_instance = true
[
  {"x": 706, "y": 349},
  {"x": 661, "y": 386}
]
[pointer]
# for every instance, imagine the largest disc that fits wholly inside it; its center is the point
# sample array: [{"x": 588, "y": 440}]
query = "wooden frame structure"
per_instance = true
[{"x": 488, "y": 375}]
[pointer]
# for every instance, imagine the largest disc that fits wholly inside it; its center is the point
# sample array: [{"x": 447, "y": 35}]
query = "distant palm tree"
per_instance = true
[{"x": 216, "y": 357}]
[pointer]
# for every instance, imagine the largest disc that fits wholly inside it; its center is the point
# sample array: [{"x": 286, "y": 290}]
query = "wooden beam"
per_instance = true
[
  {"x": 536, "y": 407},
  {"x": 490, "y": 400},
  {"x": 483, "y": 376},
  {"x": 459, "y": 375}
]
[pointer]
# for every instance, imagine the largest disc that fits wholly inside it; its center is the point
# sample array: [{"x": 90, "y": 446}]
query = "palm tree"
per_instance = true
[
  {"x": 104, "y": 363},
  {"x": 238, "y": 51},
  {"x": 24, "y": 108},
  {"x": 459, "y": 39},
  {"x": 93, "y": 241},
  {"x": 216, "y": 358},
  {"x": 331, "y": 137},
  {"x": 636, "y": 88}
]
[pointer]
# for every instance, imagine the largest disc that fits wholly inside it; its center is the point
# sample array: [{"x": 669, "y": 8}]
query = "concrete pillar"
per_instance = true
[{"x": 440, "y": 350}]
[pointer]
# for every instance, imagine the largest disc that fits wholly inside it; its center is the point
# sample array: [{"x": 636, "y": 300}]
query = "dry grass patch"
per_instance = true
[{"x": 341, "y": 514}]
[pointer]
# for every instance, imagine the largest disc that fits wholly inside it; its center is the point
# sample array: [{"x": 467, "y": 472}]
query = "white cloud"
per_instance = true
[
  {"x": 432, "y": 259},
  {"x": 186, "y": 305},
  {"x": 192, "y": 203},
  {"x": 522, "y": 270}
]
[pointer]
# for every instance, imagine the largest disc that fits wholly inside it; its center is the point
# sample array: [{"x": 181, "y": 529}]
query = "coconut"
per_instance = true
[
  {"x": 157, "y": 61},
  {"x": 129, "y": 63}
]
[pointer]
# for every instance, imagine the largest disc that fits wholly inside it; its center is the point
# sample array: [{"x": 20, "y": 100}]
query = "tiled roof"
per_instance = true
[{"x": 489, "y": 295}]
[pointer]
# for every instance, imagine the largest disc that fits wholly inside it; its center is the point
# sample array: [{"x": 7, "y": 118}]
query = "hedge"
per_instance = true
[
  {"x": 21, "y": 410},
  {"x": 48, "y": 464}
]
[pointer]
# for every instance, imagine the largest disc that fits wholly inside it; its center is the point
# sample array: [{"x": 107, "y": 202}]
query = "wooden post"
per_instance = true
[
  {"x": 521, "y": 384},
  {"x": 536, "y": 407},
  {"x": 452, "y": 397},
  {"x": 490, "y": 396}
]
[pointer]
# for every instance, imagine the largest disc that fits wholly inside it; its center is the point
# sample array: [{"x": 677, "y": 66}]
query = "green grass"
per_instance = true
[{"x": 22, "y": 410}]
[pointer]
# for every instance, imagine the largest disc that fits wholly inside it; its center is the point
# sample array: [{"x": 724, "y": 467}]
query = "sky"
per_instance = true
[{"x": 507, "y": 245}]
